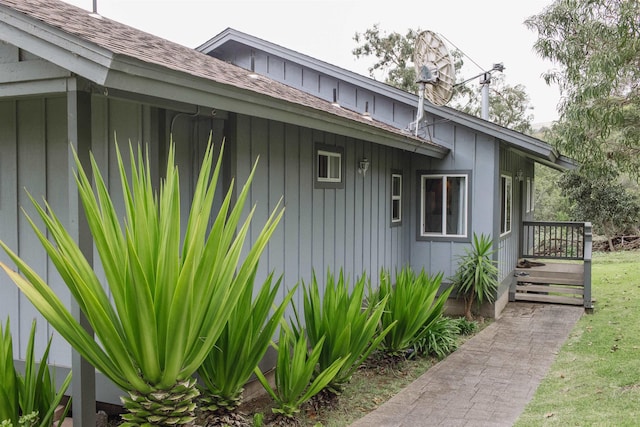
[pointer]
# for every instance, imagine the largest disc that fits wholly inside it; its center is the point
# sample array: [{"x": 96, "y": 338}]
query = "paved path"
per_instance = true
[{"x": 489, "y": 380}]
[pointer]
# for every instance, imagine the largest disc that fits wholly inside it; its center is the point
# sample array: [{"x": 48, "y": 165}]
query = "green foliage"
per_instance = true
[
  {"x": 550, "y": 204},
  {"x": 440, "y": 339},
  {"x": 476, "y": 278},
  {"x": 29, "y": 399},
  {"x": 465, "y": 326},
  {"x": 602, "y": 200},
  {"x": 595, "y": 46},
  {"x": 412, "y": 305},
  {"x": 296, "y": 378},
  {"x": 509, "y": 106},
  {"x": 241, "y": 345},
  {"x": 171, "y": 295},
  {"x": 350, "y": 331}
]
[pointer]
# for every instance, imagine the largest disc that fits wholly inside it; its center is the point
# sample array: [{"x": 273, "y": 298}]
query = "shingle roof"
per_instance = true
[{"x": 130, "y": 42}]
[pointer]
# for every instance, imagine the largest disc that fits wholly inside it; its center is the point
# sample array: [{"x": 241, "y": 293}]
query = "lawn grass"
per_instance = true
[{"x": 595, "y": 380}]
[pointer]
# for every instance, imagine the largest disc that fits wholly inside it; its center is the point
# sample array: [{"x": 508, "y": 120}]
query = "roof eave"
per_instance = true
[{"x": 129, "y": 74}]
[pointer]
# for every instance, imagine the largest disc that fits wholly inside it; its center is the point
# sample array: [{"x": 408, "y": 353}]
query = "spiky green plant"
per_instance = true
[
  {"x": 340, "y": 317},
  {"x": 171, "y": 296},
  {"x": 30, "y": 399},
  {"x": 240, "y": 347},
  {"x": 476, "y": 277},
  {"x": 296, "y": 380},
  {"x": 440, "y": 340},
  {"x": 413, "y": 305}
]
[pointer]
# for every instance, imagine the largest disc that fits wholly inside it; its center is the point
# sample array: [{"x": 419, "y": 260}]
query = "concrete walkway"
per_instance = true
[{"x": 490, "y": 379}]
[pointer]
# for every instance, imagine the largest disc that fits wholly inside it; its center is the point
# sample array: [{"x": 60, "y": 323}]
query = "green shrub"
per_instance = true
[
  {"x": 30, "y": 399},
  {"x": 477, "y": 275},
  {"x": 171, "y": 290},
  {"x": 412, "y": 304},
  {"x": 466, "y": 327},
  {"x": 440, "y": 339},
  {"x": 296, "y": 379},
  {"x": 349, "y": 330},
  {"x": 240, "y": 347}
]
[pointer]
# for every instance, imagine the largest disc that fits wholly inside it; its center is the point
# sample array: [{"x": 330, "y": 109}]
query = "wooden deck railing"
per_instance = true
[
  {"x": 554, "y": 240},
  {"x": 560, "y": 241}
]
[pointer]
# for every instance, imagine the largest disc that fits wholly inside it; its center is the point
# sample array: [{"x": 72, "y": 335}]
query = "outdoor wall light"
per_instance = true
[
  {"x": 520, "y": 175},
  {"x": 363, "y": 166}
]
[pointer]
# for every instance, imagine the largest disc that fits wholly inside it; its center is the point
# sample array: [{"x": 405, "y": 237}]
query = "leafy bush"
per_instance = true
[
  {"x": 440, "y": 339},
  {"x": 28, "y": 400},
  {"x": 296, "y": 378},
  {"x": 173, "y": 290},
  {"x": 412, "y": 305},
  {"x": 240, "y": 347},
  {"x": 477, "y": 275},
  {"x": 465, "y": 326},
  {"x": 341, "y": 320}
]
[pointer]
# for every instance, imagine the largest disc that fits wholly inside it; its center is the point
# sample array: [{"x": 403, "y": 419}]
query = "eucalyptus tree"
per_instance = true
[{"x": 595, "y": 46}]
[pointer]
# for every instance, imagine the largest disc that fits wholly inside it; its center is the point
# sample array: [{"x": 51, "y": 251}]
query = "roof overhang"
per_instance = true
[{"x": 124, "y": 73}]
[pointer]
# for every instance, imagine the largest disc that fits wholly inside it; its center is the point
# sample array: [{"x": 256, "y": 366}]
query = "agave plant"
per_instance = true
[
  {"x": 296, "y": 379},
  {"x": 413, "y": 305},
  {"x": 340, "y": 318},
  {"x": 32, "y": 399},
  {"x": 241, "y": 345},
  {"x": 171, "y": 296},
  {"x": 476, "y": 278}
]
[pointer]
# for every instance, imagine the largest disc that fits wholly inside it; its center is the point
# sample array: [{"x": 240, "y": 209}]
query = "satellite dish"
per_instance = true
[
  {"x": 435, "y": 72},
  {"x": 434, "y": 66}
]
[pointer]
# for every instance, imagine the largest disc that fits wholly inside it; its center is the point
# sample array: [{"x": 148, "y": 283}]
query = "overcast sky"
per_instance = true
[{"x": 488, "y": 31}]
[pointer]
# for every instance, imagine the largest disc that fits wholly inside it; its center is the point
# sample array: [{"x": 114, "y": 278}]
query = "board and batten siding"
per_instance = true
[
  {"x": 473, "y": 154},
  {"x": 346, "y": 228},
  {"x": 511, "y": 163},
  {"x": 34, "y": 158}
]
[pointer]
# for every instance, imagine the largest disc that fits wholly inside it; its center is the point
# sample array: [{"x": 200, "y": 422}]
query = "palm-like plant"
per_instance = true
[
  {"x": 171, "y": 296},
  {"x": 240, "y": 347},
  {"x": 296, "y": 378},
  {"x": 341, "y": 320},
  {"x": 30, "y": 399},
  {"x": 476, "y": 278},
  {"x": 412, "y": 304}
]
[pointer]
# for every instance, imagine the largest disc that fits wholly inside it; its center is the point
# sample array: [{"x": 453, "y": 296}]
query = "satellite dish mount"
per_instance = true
[{"x": 435, "y": 72}]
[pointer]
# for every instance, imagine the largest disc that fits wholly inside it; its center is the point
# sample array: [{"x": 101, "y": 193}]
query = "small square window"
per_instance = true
[{"x": 329, "y": 166}]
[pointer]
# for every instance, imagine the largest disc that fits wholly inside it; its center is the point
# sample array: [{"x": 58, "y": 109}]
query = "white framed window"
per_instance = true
[
  {"x": 329, "y": 166},
  {"x": 396, "y": 198},
  {"x": 528, "y": 197},
  {"x": 506, "y": 203},
  {"x": 444, "y": 205}
]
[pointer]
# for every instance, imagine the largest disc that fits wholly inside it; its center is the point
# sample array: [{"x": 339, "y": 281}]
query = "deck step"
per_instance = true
[
  {"x": 557, "y": 299},
  {"x": 576, "y": 280},
  {"x": 559, "y": 289}
]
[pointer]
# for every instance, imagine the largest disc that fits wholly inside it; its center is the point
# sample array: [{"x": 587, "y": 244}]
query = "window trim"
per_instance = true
[
  {"x": 528, "y": 196},
  {"x": 422, "y": 176},
  {"x": 327, "y": 182},
  {"x": 508, "y": 181},
  {"x": 396, "y": 197}
]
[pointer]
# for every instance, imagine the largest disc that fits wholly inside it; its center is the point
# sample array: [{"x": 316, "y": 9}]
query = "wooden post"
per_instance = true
[
  {"x": 79, "y": 134},
  {"x": 588, "y": 242}
]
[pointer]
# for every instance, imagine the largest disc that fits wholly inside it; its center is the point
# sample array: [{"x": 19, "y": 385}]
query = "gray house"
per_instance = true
[{"x": 361, "y": 192}]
